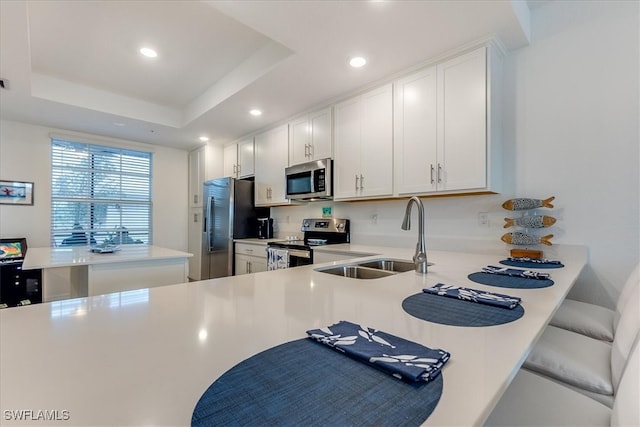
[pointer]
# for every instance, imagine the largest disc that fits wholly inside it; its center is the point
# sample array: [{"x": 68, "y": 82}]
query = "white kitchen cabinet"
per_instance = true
[
  {"x": 415, "y": 135},
  {"x": 446, "y": 135},
  {"x": 231, "y": 160},
  {"x": 250, "y": 258},
  {"x": 272, "y": 157},
  {"x": 239, "y": 159},
  {"x": 195, "y": 242},
  {"x": 197, "y": 164},
  {"x": 310, "y": 137},
  {"x": 363, "y": 166},
  {"x": 205, "y": 163}
]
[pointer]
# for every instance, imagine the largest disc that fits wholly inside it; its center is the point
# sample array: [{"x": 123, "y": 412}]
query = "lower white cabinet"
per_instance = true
[
  {"x": 250, "y": 258},
  {"x": 195, "y": 243}
]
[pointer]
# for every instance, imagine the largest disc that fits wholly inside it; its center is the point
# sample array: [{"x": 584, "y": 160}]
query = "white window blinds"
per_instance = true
[{"x": 99, "y": 194}]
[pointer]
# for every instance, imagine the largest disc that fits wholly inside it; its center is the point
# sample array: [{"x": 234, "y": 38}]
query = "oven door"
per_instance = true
[
  {"x": 298, "y": 257},
  {"x": 281, "y": 256}
]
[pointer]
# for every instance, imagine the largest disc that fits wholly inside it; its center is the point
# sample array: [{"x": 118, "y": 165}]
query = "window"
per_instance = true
[{"x": 99, "y": 195}]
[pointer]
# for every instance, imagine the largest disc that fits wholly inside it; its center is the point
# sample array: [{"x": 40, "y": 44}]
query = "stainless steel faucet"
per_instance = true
[{"x": 420, "y": 257}]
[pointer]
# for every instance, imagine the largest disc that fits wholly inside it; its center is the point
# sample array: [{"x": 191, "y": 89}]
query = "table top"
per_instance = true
[
  {"x": 145, "y": 357},
  {"x": 81, "y": 255}
]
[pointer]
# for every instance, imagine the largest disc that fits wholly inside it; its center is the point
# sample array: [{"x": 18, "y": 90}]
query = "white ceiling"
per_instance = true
[{"x": 74, "y": 65}]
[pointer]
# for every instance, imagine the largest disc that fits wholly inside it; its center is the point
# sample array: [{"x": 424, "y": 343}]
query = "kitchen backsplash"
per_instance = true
[{"x": 451, "y": 222}]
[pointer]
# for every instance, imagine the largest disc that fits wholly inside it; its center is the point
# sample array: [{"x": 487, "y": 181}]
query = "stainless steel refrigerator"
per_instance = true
[{"x": 228, "y": 214}]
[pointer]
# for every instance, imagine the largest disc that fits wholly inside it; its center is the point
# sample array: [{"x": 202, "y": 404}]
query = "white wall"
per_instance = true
[
  {"x": 25, "y": 154},
  {"x": 570, "y": 130}
]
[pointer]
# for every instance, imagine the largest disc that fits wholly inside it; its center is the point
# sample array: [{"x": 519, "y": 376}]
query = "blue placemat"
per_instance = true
[
  {"x": 529, "y": 264},
  {"x": 306, "y": 383},
  {"x": 455, "y": 312},
  {"x": 509, "y": 281}
]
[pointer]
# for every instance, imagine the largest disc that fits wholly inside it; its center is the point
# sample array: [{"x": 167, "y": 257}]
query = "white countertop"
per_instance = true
[
  {"x": 145, "y": 357},
  {"x": 81, "y": 255}
]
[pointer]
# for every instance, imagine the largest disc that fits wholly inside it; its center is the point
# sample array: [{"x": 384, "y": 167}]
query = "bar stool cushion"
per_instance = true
[
  {"x": 574, "y": 359},
  {"x": 593, "y": 320},
  {"x": 586, "y": 363},
  {"x": 587, "y": 319},
  {"x": 532, "y": 400}
]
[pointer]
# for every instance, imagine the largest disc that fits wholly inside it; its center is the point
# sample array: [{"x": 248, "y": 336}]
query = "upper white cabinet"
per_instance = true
[
  {"x": 271, "y": 153},
  {"x": 205, "y": 163},
  {"x": 446, "y": 137},
  {"x": 310, "y": 137},
  {"x": 415, "y": 135},
  {"x": 363, "y": 166},
  {"x": 197, "y": 159},
  {"x": 239, "y": 159}
]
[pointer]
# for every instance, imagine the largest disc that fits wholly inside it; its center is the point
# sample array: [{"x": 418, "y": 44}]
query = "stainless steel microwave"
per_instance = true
[{"x": 310, "y": 181}]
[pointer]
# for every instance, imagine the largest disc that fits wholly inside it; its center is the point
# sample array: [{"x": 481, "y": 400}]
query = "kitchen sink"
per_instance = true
[
  {"x": 372, "y": 269},
  {"x": 395, "y": 265},
  {"x": 356, "y": 272}
]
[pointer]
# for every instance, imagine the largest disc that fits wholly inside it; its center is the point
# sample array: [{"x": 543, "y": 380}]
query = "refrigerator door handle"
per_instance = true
[{"x": 210, "y": 225}]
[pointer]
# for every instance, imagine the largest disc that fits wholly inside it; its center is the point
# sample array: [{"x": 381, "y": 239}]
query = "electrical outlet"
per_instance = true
[
  {"x": 374, "y": 219},
  {"x": 483, "y": 219}
]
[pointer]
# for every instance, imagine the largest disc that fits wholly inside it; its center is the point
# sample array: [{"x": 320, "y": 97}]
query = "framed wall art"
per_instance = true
[{"x": 16, "y": 193}]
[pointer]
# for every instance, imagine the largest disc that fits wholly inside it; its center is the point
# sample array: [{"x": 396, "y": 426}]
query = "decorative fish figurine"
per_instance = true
[
  {"x": 532, "y": 221},
  {"x": 525, "y": 239},
  {"x": 524, "y": 204}
]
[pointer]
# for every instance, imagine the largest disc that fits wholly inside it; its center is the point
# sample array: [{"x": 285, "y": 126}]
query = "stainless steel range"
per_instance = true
[{"x": 317, "y": 232}]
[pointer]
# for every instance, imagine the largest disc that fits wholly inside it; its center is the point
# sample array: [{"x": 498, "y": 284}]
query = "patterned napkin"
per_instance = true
[
  {"x": 277, "y": 259},
  {"x": 399, "y": 357},
  {"x": 534, "y": 260},
  {"x": 515, "y": 272},
  {"x": 474, "y": 295}
]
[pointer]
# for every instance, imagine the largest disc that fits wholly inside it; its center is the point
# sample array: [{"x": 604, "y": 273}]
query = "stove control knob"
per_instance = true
[
  {"x": 305, "y": 224},
  {"x": 340, "y": 226}
]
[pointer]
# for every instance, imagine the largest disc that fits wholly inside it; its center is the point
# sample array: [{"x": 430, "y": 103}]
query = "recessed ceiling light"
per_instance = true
[
  {"x": 255, "y": 112},
  {"x": 357, "y": 61},
  {"x": 203, "y": 138},
  {"x": 148, "y": 52}
]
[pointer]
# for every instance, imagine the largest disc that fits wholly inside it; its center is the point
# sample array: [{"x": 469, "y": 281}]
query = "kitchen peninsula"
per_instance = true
[
  {"x": 130, "y": 267},
  {"x": 146, "y": 357}
]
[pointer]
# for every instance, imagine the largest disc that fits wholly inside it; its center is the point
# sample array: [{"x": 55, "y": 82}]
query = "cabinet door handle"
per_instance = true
[
  {"x": 195, "y": 217},
  {"x": 195, "y": 199},
  {"x": 357, "y": 182},
  {"x": 310, "y": 151},
  {"x": 306, "y": 150},
  {"x": 235, "y": 169},
  {"x": 432, "y": 179},
  {"x": 248, "y": 268},
  {"x": 239, "y": 167},
  {"x": 361, "y": 182},
  {"x": 439, "y": 173}
]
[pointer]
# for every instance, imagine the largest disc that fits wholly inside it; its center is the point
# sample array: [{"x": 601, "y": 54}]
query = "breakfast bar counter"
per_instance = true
[
  {"x": 145, "y": 357},
  {"x": 130, "y": 267}
]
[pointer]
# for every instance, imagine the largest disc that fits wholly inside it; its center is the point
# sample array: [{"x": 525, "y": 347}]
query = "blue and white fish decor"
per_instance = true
[
  {"x": 518, "y": 238},
  {"x": 525, "y": 204},
  {"x": 532, "y": 221}
]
